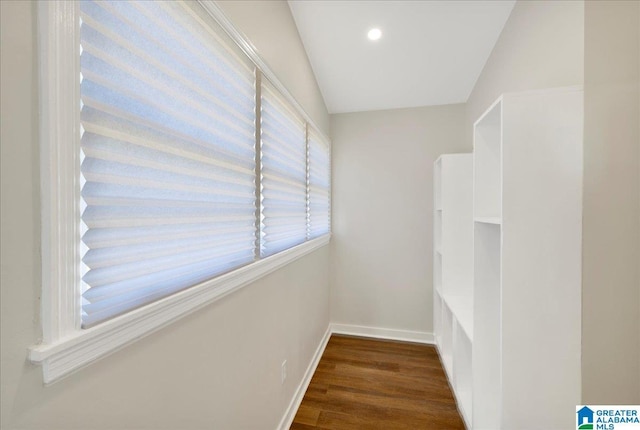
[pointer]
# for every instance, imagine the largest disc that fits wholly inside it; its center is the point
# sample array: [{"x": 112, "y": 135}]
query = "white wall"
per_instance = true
[
  {"x": 381, "y": 263},
  {"x": 541, "y": 46},
  {"x": 611, "y": 225},
  {"x": 381, "y": 251},
  {"x": 218, "y": 368}
]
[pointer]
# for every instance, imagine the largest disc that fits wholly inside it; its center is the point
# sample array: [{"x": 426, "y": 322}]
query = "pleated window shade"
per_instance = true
[
  {"x": 168, "y": 145},
  {"x": 283, "y": 174},
  {"x": 319, "y": 165}
]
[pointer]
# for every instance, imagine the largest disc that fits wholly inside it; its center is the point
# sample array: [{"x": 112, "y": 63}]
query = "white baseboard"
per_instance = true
[
  {"x": 383, "y": 333},
  {"x": 290, "y": 413}
]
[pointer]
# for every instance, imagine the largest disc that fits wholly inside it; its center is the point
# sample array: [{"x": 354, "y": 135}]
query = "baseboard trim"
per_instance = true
[
  {"x": 384, "y": 333},
  {"x": 290, "y": 413}
]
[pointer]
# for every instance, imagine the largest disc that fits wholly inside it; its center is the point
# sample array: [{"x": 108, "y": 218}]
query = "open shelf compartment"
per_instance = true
[
  {"x": 446, "y": 346},
  {"x": 462, "y": 362},
  {"x": 487, "y": 164},
  {"x": 487, "y": 315},
  {"x": 461, "y": 307}
]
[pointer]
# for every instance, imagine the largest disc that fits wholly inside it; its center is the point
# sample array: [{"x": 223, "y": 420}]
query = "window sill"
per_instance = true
[{"x": 85, "y": 346}]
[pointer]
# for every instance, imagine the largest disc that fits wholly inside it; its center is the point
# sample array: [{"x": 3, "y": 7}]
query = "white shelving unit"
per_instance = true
[
  {"x": 507, "y": 264},
  {"x": 527, "y": 261},
  {"x": 452, "y": 279}
]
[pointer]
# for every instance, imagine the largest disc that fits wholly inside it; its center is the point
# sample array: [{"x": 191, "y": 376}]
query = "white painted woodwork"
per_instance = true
[
  {"x": 453, "y": 259},
  {"x": 507, "y": 274},
  {"x": 462, "y": 363},
  {"x": 64, "y": 347},
  {"x": 527, "y": 267}
]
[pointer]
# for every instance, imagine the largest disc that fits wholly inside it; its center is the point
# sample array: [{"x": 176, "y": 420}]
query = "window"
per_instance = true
[
  {"x": 319, "y": 165},
  {"x": 168, "y": 138},
  {"x": 188, "y": 171},
  {"x": 284, "y": 174}
]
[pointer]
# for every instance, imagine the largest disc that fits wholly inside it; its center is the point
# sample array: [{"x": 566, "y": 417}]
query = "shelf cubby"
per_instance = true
[
  {"x": 462, "y": 362},
  {"x": 446, "y": 345},
  {"x": 462, "y": 307},
  {"x": 486, "y": 362},
  {"x": 487, "y": 163}
]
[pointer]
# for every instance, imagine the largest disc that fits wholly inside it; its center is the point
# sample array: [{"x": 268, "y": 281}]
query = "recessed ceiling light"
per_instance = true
[{"x": 374, "y": 34}]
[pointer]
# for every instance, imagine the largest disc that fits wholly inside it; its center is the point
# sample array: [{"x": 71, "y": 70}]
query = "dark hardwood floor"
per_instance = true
[{"x": 374, "y": 384}]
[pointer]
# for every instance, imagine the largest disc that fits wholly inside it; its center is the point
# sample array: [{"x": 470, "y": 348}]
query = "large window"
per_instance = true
[{"x": 187, "y": 172}]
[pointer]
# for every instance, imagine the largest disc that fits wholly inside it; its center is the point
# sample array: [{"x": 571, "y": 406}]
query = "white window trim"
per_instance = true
[
  {"x": 65, "y": 347},
  {"x": 214, "y": 10}
]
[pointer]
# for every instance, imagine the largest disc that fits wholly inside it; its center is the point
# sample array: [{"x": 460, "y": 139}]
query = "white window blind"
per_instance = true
[
  {"x": 319, "y": 165},
  {"x": 168, "y": 142},
  {"x": 283, "y": 174}
]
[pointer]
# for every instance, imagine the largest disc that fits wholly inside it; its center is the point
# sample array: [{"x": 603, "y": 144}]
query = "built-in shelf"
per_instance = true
[
  {"x": 487, "y": 160},
  {"x": 492, "y": 287},
  {"x": 446, "y": 344},
  {"x": 488, "y": 220},
  {"x": 453, "y": 273},
  {"x": 462, "y": 309},
  {"x": 528, "y": 160},
  {"x": 462, "y": 358}
]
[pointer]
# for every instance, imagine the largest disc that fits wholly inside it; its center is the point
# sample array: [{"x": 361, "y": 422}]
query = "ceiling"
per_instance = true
[{"x": 430, "y": 53}]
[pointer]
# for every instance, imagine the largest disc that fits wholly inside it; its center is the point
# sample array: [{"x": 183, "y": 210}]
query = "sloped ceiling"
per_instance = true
[{"x": 430, "y": 52}]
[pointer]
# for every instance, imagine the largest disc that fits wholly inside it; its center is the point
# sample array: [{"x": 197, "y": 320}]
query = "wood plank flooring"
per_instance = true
[{"x": 374, "y": 384}]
